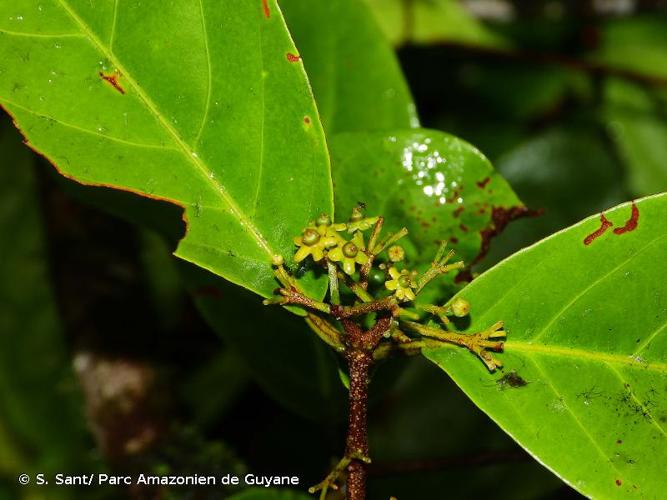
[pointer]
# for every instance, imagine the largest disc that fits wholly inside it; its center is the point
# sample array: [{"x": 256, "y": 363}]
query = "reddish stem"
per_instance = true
[{"x": 359, "y": 363}]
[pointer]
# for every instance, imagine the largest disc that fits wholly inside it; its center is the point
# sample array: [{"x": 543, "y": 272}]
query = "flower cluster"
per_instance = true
[
  {"x": 371, "y": 309},
  {"x": 367, "y": 271},
  {"x": 323, "y": 240}
]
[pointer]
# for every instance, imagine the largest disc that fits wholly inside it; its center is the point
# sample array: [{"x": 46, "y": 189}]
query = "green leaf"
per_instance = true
[
  {"x": 42, "y": 428},
  {"x": 436, "y": 185},
  {"x": 432, "y": 21},
  {"x": 636, "y": 44},
  {"x": 636, "y": 124},
  {"x": 583, "y": 388},
  {"x": 355, "y": 76},
  {"x": 358, "y": 86},
  {"x": 206, "y": 107}
]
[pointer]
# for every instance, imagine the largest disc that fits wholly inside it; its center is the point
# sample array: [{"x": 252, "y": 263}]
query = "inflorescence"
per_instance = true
[{"x": 368, "y": 277}]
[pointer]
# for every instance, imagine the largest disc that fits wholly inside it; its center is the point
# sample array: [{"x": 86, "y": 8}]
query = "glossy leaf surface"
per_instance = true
[
  {"x": 583, "y": 387},
  {"x": 204, "y": 106},
  {"x": 355, "y": 76},
  {"x": 436, "y": 185},
  {"x": 358, "y": 86}
]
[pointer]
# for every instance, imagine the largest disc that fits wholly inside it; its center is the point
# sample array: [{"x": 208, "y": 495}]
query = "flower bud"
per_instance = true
[{"x": 460, "y": 307}]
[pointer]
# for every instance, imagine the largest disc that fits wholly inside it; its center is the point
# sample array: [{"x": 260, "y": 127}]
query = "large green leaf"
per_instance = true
[
  {"x": 355, "y": 76},
  {"x": 358, "y": 86},
  {"x": 202, "y": 104},
  {"x": 436, "y": 185},
  {"x": 586, "y": 357}
]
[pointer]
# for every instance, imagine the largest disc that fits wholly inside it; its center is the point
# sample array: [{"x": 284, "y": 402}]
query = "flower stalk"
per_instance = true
[{"x": 353, "y": 301}]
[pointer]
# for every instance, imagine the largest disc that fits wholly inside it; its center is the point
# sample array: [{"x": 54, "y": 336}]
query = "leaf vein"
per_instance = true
[
  {"x": 574, "y": 416},
  {"x": 207, "y": 108},
  {"x": 202, "y": 168},
  {"x": 113, "y": 24},
  {"x": 567, "y": 352},
  {"x": 650, "y": 338},
  {"x": 258, "y": 187},
  {"x": 42, "y": 35},
  {"x": 645, "y": 410},
  {"x": 88, "y": 131}
]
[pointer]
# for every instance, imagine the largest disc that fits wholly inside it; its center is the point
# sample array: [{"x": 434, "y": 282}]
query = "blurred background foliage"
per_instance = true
[{"x": 107, "y": 365}]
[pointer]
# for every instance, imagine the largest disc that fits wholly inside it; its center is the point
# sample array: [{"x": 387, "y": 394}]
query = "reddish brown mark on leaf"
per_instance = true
[
  {"x": 293, "y": 57},
  {"x": 632, "y": 222},
  {"x": 482, "y": 184},
  {"x": 619, "y": 441},
  {"x": 500, "y": 217},
  {"x": 265, "y": 8},
  {"x": 112, "y": 80},
  {"x": 604, "y": 225},
  {"x": 306, "y": 120},
  {"x": 458, "y": 210},
  {"x": 619, "y": 482},
  {"x": 463, "y": 228}
]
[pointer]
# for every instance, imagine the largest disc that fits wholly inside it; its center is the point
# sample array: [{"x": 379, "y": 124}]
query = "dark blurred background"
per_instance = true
[{"x": 107, "y": 366}]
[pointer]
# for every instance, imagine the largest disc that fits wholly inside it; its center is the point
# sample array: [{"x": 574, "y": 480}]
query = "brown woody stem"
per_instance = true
[
  {"x": 359, "y": 363},
  {"x": 386, "y": 304}
]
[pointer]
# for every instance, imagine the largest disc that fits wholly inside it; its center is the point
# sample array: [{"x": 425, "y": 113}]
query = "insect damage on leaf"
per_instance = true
[
  {"x": 500, "y": 218},
  {"x": 265, "y": 9},
  {"x": 630, "y": 225},
  {"x": 604, "y": 225},
  {"x": 632, "y": 222},
  {"x": 113, "y": 79}
]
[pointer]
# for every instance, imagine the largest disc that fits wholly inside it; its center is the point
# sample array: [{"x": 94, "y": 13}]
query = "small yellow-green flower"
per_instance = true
[
  {"x": 315, "y": 240},
  {"x": 396, "y": 253},
  {"x": 349, "y": 253},
  {"x": 402, "y": 283},
  {"x": 357, "y": 222}
]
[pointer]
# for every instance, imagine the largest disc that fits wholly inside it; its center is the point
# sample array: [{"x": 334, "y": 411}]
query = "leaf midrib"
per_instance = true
[
  {"x": 569, "y": 352},
  {"x": 201, "y": 167},
  {"x": 572, "y": 353}
]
